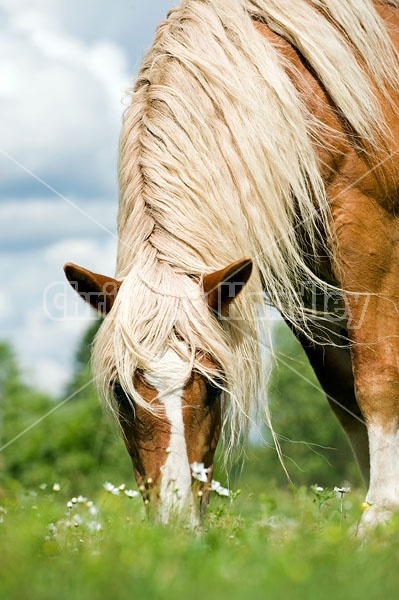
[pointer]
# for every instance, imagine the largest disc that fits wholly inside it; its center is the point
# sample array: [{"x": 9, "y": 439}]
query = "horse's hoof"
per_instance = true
[{"x": 371, "y": 518}]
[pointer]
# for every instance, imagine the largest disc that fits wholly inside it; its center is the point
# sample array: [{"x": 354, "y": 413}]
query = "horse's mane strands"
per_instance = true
[
  {"x": 331, "y": 58},
  {"x": 367, "y": 32},
  {"x": 215, "y": 147}
]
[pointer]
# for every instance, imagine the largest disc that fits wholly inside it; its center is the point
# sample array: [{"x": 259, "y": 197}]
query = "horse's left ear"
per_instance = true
[
  {"x": 222, "y": 287},
  {"x": 98, "y": 290}
]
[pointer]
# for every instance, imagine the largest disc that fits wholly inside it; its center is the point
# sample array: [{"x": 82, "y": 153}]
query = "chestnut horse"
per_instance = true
[{"x": 259, "y": 151}]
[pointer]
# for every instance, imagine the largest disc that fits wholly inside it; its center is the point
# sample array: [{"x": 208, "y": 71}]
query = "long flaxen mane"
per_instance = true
[{"x": 218, "y": 161}]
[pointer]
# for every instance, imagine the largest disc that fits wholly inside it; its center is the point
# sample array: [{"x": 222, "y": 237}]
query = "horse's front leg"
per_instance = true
[
  {"x": 367, "y": 265},
  {"x": 374, "y": 356}
]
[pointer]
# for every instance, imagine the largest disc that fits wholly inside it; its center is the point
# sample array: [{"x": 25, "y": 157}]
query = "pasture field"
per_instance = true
[{"x": 269, "y": 543}]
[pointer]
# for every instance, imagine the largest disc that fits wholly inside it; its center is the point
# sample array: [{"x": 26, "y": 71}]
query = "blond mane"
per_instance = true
[{"x": 216, "y": 163}]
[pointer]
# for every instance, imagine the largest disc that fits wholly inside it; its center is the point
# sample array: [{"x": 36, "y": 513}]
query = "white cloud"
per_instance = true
[
  {"x": 61, "y": 104},
  {"x": 41, "y": 221}
]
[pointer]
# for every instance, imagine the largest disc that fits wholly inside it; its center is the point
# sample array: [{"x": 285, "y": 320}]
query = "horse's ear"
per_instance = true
[
  {"x": 221, "y": 287},
  {"x": 98, "y": 290}
]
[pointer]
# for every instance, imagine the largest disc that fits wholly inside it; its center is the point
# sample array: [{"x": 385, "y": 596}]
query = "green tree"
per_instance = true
[
  {"x": 20, "y": 406},
  {"x": 82, "y": 372},
  {"x": 69, "y": 440}
]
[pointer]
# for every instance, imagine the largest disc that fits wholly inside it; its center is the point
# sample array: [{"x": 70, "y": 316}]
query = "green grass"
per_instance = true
[{"x": 280, "y": 544}]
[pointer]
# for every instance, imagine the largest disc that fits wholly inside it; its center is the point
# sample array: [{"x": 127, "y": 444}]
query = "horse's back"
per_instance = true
[{"x": 341, "y": 164}]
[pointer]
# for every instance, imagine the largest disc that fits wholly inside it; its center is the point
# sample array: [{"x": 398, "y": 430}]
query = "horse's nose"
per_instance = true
[{"x": 174, "y": 507}]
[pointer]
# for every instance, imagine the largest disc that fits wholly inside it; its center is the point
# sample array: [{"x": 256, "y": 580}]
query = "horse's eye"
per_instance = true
[
  {"x": 214, "y": 390},
  {"x": 120, "y": 396}
]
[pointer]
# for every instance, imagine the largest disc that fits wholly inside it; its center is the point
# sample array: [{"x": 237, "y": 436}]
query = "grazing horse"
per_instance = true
[{"x": 259, "y": 158}]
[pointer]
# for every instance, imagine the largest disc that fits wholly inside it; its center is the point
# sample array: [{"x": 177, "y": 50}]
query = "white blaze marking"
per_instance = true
[{"x": 175, "y": 489}]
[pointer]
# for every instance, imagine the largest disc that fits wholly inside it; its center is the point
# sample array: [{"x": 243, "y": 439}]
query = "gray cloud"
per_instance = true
[
  {"x": 61, "y": 106},
  {"x": 102, "y": 19},
  {"x": 31, "y": 224}
]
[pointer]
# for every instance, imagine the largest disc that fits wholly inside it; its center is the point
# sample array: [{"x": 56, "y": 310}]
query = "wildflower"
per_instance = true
[
  {"x": 323, "y": 495},
  {"x": 219, "y": 489},
  {"x": 168, "y": 450},
  {"x": 56, "y": 487},
  {"x": 122, "y": 487},
  {"x": 131, "y": 493},
  {"x": 199, "y": 471},
  {"x": 94, "y": 526},
  {"x": 69, "y": 504},
  {"x": 42, "y": 486},
  {"x": 81, "y": 500},
  {"x": 341, "y": 490},
  {"x": 74, "y": 500},
  {"x": 93, "y": 510},
  {"x": 108, "y": 486},
  {"x": 222, "y": 491},
  {"x": 77, "y": 520},
  {"x": 366, "y": 504},
  {"x": 115, "y": 491}
]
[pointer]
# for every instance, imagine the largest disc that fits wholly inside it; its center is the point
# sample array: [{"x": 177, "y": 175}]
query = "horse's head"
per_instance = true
[{"x": 172, "y": 433}]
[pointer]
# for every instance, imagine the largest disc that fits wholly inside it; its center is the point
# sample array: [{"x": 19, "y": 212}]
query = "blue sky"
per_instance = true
[{"x": 64, "y": 69}]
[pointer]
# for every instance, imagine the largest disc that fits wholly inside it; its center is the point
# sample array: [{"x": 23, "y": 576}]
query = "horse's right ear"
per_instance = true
[
  {"x": 98, "y": 290},
  {"x": 223, "y": 286}
]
